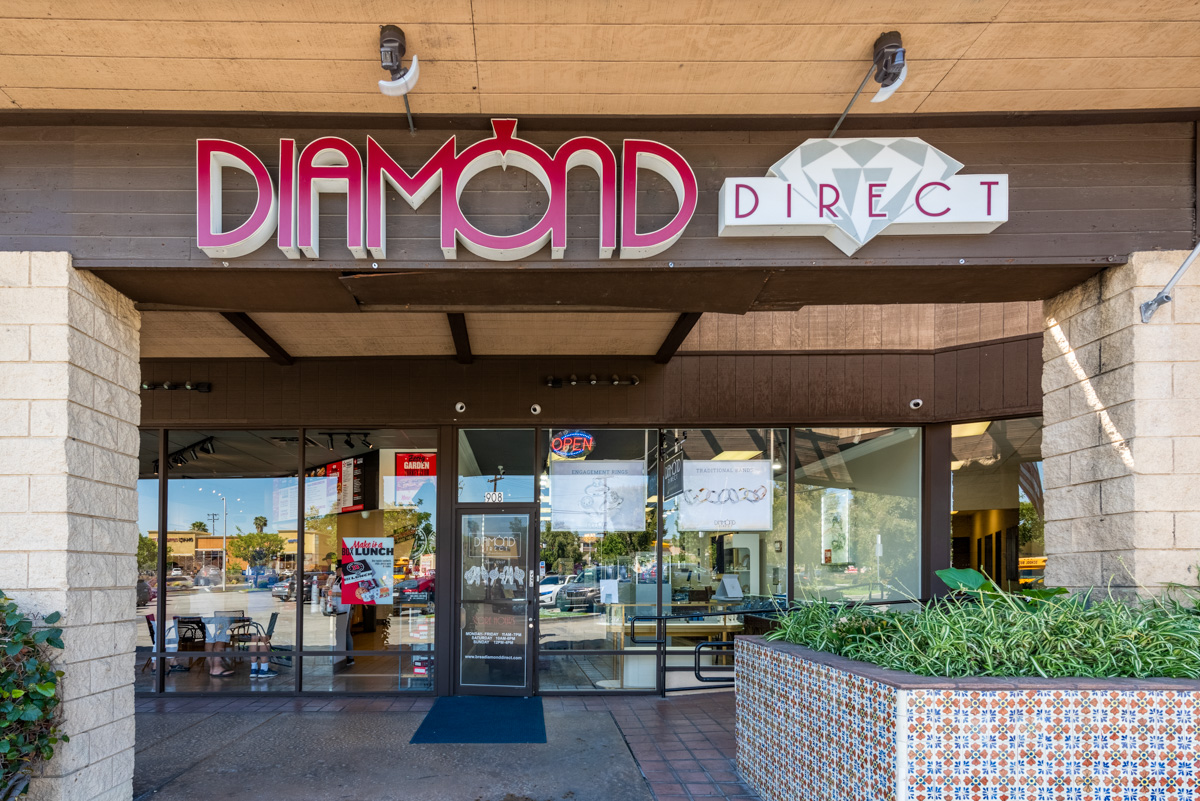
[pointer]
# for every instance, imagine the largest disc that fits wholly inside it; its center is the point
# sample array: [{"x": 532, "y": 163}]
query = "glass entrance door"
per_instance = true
[{"x": 495, "y": 619}]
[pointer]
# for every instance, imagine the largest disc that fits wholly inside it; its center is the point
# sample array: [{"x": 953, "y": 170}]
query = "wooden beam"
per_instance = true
[
  {"x": 462, "y": 342},
  {"x": 683, "y": 326},
  {"x": 253, "y": 332}
]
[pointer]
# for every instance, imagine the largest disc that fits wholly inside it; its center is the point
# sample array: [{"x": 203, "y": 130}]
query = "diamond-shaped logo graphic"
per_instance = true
[{"x": 852, "y": 190}]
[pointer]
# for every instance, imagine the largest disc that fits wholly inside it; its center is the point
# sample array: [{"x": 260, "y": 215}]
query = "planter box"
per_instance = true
[{"x": 817, "y": 727}]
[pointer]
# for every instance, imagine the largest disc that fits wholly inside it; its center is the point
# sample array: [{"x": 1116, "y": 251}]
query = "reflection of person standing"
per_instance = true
[{"x": 334, "y": 590}]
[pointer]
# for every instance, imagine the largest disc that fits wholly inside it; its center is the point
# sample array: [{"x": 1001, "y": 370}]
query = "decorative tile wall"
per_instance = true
[
  {"x": 1052, "y": 745},
  {"x": 808, "y": 731},
  {"x": 812, "y": 731}
]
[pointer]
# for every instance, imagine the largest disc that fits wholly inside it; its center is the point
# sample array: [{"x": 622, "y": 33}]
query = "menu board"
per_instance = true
[{"x": 336, "y": 487}]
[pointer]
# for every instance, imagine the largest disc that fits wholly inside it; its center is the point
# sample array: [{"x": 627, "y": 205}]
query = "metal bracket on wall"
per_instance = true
[{"x": 1164, "y": 297}]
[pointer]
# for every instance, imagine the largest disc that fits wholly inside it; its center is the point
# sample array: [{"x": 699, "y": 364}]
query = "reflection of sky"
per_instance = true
[
  {"x": 195, "y": 500},
  {"x": 515, "y": 488}
]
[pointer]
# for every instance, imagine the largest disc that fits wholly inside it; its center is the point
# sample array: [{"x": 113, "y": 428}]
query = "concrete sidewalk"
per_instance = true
[{"x": 353, "y": 749}]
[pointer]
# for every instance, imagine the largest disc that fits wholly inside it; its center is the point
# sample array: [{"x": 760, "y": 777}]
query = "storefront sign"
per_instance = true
[
  {"x": 368, "y": 570},
  {"x": 852, "y": 190},
  {"x": 331, "y": 164},
  {"x": 726, "y": 496},
  {"x": 673, "y": 476}
]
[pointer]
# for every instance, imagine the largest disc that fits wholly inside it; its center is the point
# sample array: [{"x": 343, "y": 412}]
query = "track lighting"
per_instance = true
[
  {"x": 330, "y": 445},
  {"x": 366, "y": 442},
  {"x": 554, "y": 382},
  {"x": 207, "y": 446},
  {"x": 349, "y": 442},
  {"x": 197, "y": 386}
]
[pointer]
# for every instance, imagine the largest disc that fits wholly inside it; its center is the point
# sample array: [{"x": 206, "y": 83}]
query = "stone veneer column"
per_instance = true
[
  {"x": 1121, "y": 401},
  {"x": 69, "y": 411}
]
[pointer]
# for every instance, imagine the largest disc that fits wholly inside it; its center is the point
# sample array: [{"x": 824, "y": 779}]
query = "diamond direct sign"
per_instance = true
[{"x": 852, "y": 190}]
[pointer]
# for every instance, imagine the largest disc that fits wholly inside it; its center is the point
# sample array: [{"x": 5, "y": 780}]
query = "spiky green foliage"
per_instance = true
[{"x": 984, "y": 631}]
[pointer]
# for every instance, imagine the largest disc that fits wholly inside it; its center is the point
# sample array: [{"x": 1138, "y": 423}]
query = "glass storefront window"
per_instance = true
[
  {"x": 598, "y": 556},
  {"x": 857, "y": 513},
  {"x": 997, "y": 517},
  {"x": 370, "y": 562},
  {"x": 231, "y": 544},
  {"x": 146, "y": 590},
  {"x": 495, "y": 465},
  {"x": 724, "y": 535}
]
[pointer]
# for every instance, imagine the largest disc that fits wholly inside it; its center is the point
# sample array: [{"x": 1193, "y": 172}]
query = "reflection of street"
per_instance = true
[{"x": 256, "y": 604}]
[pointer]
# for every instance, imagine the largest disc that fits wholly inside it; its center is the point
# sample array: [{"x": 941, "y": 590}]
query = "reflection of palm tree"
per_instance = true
[{"x": 260, "y": 523}]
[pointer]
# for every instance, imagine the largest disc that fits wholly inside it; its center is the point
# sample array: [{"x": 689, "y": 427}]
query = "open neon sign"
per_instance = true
[
  {"x": 331, "y": 164},
  {"x": 572, "y": 444}
]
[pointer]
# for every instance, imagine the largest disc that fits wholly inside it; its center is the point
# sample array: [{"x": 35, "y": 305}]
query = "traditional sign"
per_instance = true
[
  {"x": 726, "y": 496},
  {"x": 331, "y": 164},
  {"x": 852, "y": 190}
]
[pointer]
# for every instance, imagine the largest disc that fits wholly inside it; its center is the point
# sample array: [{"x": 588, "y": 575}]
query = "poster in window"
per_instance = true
[
  {"x": 726, "y": 496},
  {"x": 414, "y": 472},
  {"x": 592, "y": 497},
  {"x": 368, "y": 576}
]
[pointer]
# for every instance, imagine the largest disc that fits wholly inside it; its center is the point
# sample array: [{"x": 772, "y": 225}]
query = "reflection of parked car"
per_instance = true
[
  {"x": 415, "y": 590},
  {"x": 578, "y": 595},
  {"x": 289, "y": 586},
  {"x": 550, "y": 586},
  {"x": 178, "y": 583}
]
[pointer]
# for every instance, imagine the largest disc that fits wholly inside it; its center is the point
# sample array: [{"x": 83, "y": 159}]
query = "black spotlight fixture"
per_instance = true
[
  {"x": 592, "y": 379},
  {"x": 366, "y": 442},
  {"x": 573, "y": 380},
  {"x": 330, "y": 444},
  {"x": 208, "y": 446},
  {"x": 192, "y": 453},
  {"x": 349, "y": 442}
]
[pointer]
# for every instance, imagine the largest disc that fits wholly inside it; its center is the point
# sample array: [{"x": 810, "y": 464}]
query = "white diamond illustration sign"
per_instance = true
[{"x": 852, "y": 190}]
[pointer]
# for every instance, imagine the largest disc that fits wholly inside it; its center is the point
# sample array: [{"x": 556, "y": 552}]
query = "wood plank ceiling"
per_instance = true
[{"x": 596, "y": 57}]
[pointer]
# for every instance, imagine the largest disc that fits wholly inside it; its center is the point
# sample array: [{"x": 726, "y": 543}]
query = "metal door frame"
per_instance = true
[{"x": 531, "y": 631}]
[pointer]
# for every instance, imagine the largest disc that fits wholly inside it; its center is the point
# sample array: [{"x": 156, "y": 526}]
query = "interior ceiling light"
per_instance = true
[
  {"x": 366, "y": 442},
  {"x": 391, "y": 53},
  {"x": 349, "y": 442},
  {"x": 330, "y": 436}
]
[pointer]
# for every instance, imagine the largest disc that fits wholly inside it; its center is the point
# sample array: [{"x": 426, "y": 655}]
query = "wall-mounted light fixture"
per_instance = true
[
  {"x": 391, "y": 53},
  {"x": 889, "y": 63}
]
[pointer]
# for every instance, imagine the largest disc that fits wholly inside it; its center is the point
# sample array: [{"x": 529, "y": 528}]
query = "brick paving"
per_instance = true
[{"x": 684, "y": 744}]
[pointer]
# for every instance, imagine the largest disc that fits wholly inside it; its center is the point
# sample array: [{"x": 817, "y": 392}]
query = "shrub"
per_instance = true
[
  {"x": 984, "y": 631},
  {"x": 29, "y": 698}
]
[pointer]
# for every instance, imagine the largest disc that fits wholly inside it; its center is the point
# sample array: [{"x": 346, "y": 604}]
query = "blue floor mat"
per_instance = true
[{"x": 477, "y": 719}]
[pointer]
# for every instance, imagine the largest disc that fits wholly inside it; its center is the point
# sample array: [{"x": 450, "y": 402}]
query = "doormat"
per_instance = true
[{"x": 476, "y": 719}]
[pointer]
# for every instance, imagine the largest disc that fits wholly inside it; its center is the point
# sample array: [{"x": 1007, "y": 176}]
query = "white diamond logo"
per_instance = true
[{"x": 852, "y": 190}]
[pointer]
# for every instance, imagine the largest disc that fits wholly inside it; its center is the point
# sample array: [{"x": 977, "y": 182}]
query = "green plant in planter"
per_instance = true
[
  {"x": 29, "y": 699},
  {"x": 985, "y": 631}
]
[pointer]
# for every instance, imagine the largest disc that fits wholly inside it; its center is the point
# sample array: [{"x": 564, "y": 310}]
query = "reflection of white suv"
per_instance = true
[{"x": 549, "y": 587}]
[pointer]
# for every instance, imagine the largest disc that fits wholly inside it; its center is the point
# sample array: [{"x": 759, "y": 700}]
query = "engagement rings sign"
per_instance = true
[{"x": 852, "y": 190}]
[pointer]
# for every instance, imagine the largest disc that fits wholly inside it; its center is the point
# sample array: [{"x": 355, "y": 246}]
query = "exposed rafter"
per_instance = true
[
  {"x": 262, "y": 340},
  {"x": 462, "y": 341},
  {"x": 675, "y": 337}
]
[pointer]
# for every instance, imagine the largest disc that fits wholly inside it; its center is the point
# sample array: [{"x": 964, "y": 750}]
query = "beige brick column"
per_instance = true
[
  {"x": 69, "y": 412},
  {"x": 1121, "y": 400}
]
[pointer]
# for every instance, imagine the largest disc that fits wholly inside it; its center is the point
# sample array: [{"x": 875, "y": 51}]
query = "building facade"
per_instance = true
[{"x": 306, "y": 403}]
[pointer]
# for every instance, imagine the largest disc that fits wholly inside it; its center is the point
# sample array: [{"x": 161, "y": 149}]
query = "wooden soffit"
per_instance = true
[{"x": 596, "y": 57}]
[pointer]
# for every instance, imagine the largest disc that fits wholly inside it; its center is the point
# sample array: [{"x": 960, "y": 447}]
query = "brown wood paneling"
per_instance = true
[
  {"x": 777, "y": 389},
  {"x": 119, "y": 198}
]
